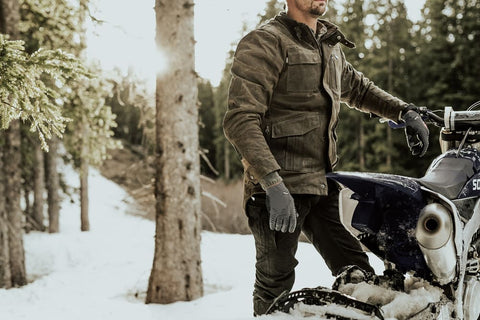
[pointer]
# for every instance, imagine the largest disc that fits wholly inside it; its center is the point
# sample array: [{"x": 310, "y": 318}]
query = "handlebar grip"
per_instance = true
[
  {"x": 451, "y": 120},
  {"x": 461, "y": 120}
]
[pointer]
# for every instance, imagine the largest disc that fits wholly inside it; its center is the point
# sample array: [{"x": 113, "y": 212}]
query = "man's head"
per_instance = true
[{"x": 314, "y": 8}]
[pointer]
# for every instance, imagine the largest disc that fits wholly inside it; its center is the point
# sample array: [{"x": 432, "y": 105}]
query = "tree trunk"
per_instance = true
[
  {"x": 176, "y": 272},
  {"x": 13, "y": 186},
  {"x": 390, "y": 89},
  {"x": 53, "y": 186},
  {"x": 9, "y": 18},
  {"x": 389, "y": 149},
  {"x": 85, "y": 223},
  {"x": 227, "y": 160},
  {"x": 26, "y": 199},
  {"x": 38, "y": 188},
  {"x": 5, "y": 277},
  {"x": 361, "y": 142}
]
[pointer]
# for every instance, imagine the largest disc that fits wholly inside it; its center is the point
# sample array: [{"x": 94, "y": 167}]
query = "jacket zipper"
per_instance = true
[{"x": 333, "y": 59}]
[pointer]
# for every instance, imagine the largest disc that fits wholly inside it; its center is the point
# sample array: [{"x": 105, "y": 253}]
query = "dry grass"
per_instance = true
[
  {"x": 227, "y": 218},
  {"x": 221, "y": 202}
]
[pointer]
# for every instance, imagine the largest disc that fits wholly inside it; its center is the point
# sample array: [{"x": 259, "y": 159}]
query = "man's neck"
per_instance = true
[{"x": 305, "y": 18}]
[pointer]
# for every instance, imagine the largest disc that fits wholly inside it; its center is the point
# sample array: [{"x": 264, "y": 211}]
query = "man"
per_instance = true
[{"x": 289, "y": 77}]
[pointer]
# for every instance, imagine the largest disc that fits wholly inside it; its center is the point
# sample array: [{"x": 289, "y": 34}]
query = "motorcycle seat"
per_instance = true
[{"x": 448, "y": 176}]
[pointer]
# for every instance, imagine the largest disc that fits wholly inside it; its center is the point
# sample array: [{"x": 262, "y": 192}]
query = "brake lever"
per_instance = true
[
  {"x": 393, "y": 124},
  {"x": 423, "y": 111}
]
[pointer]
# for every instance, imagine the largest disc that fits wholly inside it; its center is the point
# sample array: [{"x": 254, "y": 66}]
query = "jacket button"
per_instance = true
[
  {"x": 323, "y": 186},
  {"x": 251, "y": 177},
  {"x": 339, "y": 37}
]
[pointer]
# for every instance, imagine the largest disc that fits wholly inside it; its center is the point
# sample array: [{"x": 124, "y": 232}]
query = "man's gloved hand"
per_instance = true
[
  {"x": 280, "y": 205},
  {"x": 416, "y": 131}
]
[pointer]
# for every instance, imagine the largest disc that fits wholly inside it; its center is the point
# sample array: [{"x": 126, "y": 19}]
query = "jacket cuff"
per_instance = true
[
  {"x": 407, "y": 108},
  {"x": 270, "y": 180},
  {"x": 256, "y": 172}
]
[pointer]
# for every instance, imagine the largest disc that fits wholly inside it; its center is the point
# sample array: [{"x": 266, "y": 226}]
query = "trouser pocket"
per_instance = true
[{"x": 275, "y": 253}]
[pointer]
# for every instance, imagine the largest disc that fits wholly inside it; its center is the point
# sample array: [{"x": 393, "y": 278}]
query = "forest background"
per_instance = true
[{"x": 93, "y": 118}]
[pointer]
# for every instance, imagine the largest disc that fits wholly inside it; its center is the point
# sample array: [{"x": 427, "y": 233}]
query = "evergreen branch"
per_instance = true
[{"x": 30, "y": 86}]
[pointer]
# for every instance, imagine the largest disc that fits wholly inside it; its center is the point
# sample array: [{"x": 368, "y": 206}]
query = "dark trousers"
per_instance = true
[{"x": 275, "y": 251}]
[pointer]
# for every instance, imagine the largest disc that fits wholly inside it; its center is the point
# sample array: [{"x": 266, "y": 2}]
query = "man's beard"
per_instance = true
[{"x": 317, "y": 11}]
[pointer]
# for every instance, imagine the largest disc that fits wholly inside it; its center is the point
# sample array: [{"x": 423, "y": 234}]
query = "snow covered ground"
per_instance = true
[{"x": 103, "y": 274}]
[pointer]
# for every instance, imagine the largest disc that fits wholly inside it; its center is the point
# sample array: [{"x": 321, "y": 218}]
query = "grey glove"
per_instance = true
[
  {"x": 280, "y": 205},
  {"x": 416, "y": 131}
]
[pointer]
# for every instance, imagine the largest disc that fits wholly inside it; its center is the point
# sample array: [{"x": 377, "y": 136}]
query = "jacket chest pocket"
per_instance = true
[
  {"x": 303, "y": 70},
  {"x": 298, "y": 144}
]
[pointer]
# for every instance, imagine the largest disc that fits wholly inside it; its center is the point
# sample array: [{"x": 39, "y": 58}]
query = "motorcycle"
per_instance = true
[{"x": 425, "y": 227}]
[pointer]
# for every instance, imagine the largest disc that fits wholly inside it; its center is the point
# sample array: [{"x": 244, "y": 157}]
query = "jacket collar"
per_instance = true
[{"x": 329, "y": 32}]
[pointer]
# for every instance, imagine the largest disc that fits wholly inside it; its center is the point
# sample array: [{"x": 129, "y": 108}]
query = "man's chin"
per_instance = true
[{"x": 318, "y": 12}]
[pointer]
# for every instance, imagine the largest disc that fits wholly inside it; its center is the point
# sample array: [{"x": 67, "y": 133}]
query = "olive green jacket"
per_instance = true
[{"x": 284, "y": 100}]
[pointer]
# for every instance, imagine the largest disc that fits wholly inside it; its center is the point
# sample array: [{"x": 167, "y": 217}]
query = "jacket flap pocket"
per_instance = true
[
  {"x": 295, "y": 127},
  {"x": 305, "y": 56}
]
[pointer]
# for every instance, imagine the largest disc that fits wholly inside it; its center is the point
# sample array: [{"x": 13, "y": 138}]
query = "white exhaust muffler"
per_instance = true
[{"x": 434, "y": 234}]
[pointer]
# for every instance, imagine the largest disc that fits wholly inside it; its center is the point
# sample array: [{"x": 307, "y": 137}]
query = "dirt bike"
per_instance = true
[{"x": 425, "y": 227}]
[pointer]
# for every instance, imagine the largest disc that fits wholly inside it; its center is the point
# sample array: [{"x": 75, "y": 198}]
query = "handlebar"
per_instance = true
[
  {"x": 451, "y": 120},
  {"x": 457, "y": 127}
]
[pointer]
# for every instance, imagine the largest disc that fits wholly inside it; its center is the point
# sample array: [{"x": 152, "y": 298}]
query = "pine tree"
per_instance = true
[
  {"x": 273, "y": 7},
  {"x": 353, "y": 124},
  {"x": 332, "y": 13},
  {"x": 176, "y": 272},
  {"x": 207, "y": 128},
  {"x": 90, "y": 135},
  {"x": 390, "y": 45},
  {"x": 227, "y": 159},
  {"x": 133, "y": 104},
  {"x": 447, "y": 58},
  {"x": 38, "y": 188},
  {"x": 24, "y": 95},
  {"x": 53, "y": 186},
  {"x": 16, "y": 275},
  {"x": 467, "y": 57},
  {"x": 51, "y": 24},
  {"x": 450, "y": 29},
  {"x": 430, "y": 69},
  {"x": 60, "y": 23},
  {"x": 25, "y": 91}
]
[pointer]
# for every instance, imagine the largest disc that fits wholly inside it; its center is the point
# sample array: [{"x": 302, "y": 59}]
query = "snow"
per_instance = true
[{"x": 103, "y": 274}]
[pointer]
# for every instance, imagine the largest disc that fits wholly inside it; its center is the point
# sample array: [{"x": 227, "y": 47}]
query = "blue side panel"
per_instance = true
[
  {"x": 386, "y": 214},
  {"x": 471, "y": 188}
]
